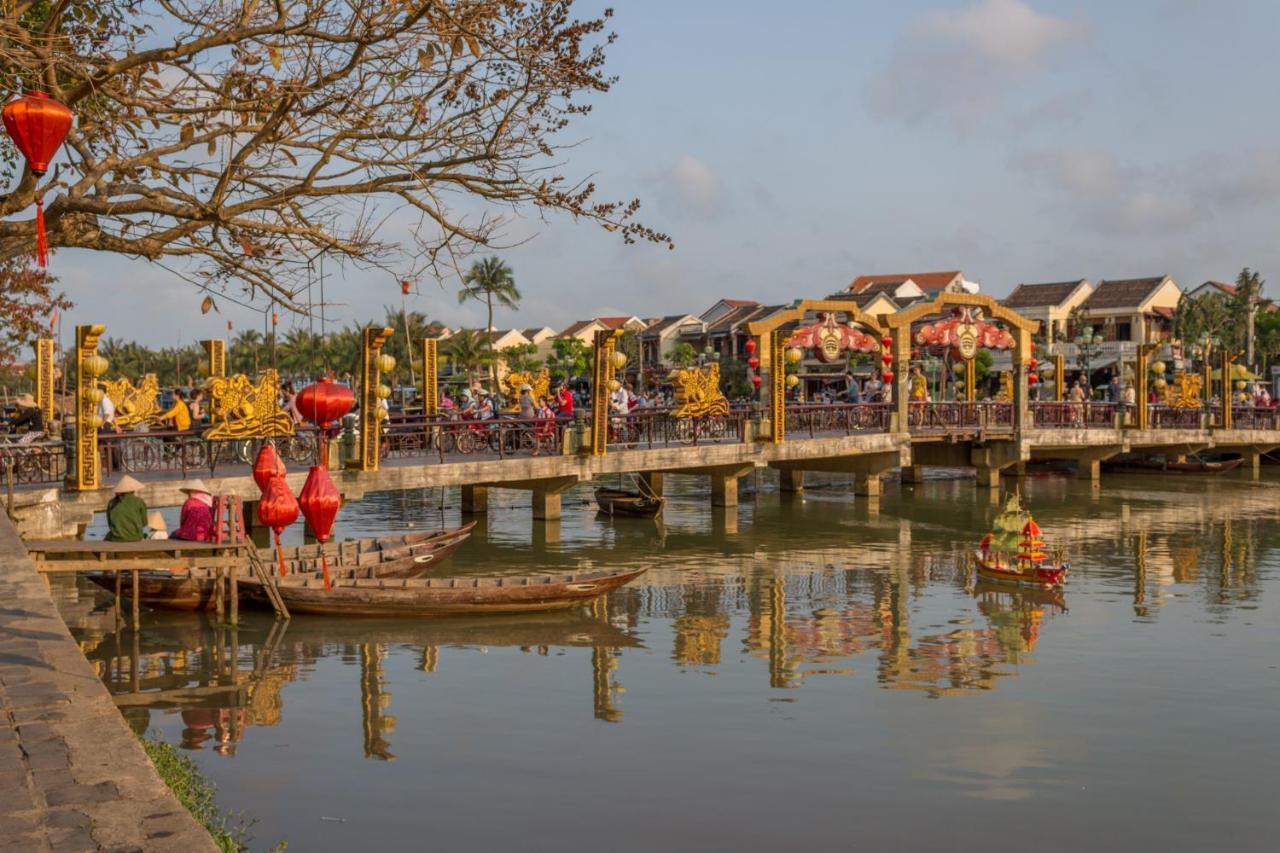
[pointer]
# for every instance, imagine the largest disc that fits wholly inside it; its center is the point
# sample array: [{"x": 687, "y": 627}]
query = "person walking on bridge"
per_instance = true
[{"x": 126, "y": 513}]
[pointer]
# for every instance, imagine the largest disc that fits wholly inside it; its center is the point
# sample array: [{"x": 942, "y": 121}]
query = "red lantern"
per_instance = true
[
  {"x": 1033, "y": 346},
  {"x": 751, "y": 346},
  {"x": 267, "y": 465},
  {"x": 1033, "y": 378},
  {"x": 755, "y": 381},
  {"x": 915, "y": 353},
  {"x": 320, "y": 502},
  {"x": 37, "y": 124},
  {"x": 886, "y": 342},
  {"x": 277, "y": 509},
  {"x": 753, "y": 363},
  {"x": 887, "y": 359},
  {"x": 324, "y": 402},
  {"x": 405, "y": 286},
  {"x": 1031, "y": 364},
  {"x": 886, "y": 375}
]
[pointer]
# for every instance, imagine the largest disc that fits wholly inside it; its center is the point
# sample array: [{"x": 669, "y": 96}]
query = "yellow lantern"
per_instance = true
[
  {"x": 382, "y": 391},
  {"x": 386, "y": 363},
  {"x": 1240, "y": 384},
  {"x": 96, "y": 365},
  {"x": 1161, "y": 383},
  {"x": 94, "y": 395},
  {"x": 794, "y": 354},
  {"x": 95, "y": 421},
  {"x": 793, "y": 381},
  {"x": 614, "y": 385},
  {"x": 1157, "y": 367},
  {"x": 618, "y": 360},
  {"x": 245, "y": 410},
  {"x": 383, "y": 414}
]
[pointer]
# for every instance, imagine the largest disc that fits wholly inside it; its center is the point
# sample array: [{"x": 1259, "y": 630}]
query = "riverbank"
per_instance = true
[{"x": 72, "y": 774}]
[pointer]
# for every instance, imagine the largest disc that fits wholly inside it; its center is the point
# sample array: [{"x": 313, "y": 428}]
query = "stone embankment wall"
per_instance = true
[{"x": 72, "y": 774}]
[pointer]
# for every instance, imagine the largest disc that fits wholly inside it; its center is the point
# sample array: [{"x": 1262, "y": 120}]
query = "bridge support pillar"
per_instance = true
[
  {"x": 866, "y": 485},
  {"x": 259, "y": 534},
  {"x": 791, "y": 481},
  {"x": 1018, "y": 469},
  {"x": 1253, "y": 463},
  {"x": 475, "y": 499},
  {"x": 1089, "y": 469},
  {"x": 546, "y": 504},
  {"x": 724, "y": 489},
  {"x": 988, "y": 478},
  {"x": 913, "y": 473}
]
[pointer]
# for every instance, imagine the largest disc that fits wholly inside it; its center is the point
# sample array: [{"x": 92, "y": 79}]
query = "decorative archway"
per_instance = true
[{"x": 826, "y": 335}]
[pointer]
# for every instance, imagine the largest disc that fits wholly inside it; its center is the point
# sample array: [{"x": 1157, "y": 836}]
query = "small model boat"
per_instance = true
[
  {"x": 622, "y": 502},
  {"x": 1013, "y": 552},
  {"x": 1140, "y": 465},
  {"x": 458, "y": 596},
  {"x": 406, "y": 556}
]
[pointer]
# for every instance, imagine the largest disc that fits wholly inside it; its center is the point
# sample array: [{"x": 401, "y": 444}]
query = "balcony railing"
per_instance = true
[
  {"x": 646, "y": 428},
  {"x": 959, "y": 417},
  {"x": 815, "y": 421},
  {"x": 1084, "y": 415}
]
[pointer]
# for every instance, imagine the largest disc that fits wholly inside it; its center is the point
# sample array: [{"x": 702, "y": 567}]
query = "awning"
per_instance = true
[{"x": 1238, "y": 371}]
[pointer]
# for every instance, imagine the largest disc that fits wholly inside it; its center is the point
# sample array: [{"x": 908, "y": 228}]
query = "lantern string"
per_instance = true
[
  {"x": 324, "y": 565},
  {"x": 42, "y": 240},
  {"x": 279, "y": 553}
]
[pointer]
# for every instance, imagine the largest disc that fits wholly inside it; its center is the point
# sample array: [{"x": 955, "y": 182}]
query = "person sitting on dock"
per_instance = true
[
  {"x": 126, "y": 513},
  {"x": 156, "y": 522},
  {"x": 195, "y": 524}
]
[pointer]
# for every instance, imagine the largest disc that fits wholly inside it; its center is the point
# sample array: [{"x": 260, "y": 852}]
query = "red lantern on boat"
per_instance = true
[
  {"x": 277, "y": 509},
  {"x": 320, "y": 503},
  {"x": 37, "y": 124},
  {"x": 324, "y": 402},
  {"x": 750, "y": 346},
  {"x": 267, "y": 465},
  {"x": 753, "y": 363}
]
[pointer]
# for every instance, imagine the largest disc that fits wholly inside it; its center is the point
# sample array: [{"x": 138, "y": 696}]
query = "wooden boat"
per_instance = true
[
  {"x": 623, "y": 502},
  {"x": 1012, "y": 552},
  {"x": 1163, "y": 466},
  {"x": 407, "y": 556},
  {"x": 457, "y": 596}
]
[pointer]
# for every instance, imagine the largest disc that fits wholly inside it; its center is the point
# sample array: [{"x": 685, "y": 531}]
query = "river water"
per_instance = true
[{"x": 804, "y": 670}]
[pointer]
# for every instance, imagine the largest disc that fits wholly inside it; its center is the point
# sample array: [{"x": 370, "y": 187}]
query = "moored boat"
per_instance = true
[
  {"x": 623, "y": 502},
  {"x": 1013, "y": 552},
  {"x": 1140, "y": 465},
  {"x": 456, "y": 596}
]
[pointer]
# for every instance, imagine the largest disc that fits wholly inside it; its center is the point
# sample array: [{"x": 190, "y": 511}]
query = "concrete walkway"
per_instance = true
[{"x": 72, "y": 774}]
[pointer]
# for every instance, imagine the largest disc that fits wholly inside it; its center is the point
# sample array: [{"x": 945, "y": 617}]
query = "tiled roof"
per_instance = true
[
  {"x": 575, "y": 329},
  {"x": 614, "y": 323},
  {"x": 1040, "y": 295},
  {"x": 926, "y": 280},
  {"x": 663, "y": 323},
  {"x": 1123, "y": 293},
  {"x": 731, "y": 317},
  {"x": 739, "y": 303},
  {"x": 1221, "y": 286}
]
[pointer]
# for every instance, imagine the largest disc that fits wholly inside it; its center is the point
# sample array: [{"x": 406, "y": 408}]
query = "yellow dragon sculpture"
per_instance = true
[
  {"x": 698, "y": 392},
  {"x": 1185, "y": 391},
  {"x": 134, "y": 404},
  {"x": 541, "y": 385},
  {"x": 241, "y": 408}
]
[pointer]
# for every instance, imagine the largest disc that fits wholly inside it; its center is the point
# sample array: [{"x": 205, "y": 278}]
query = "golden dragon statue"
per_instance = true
[
  {"x": 541, "y": 385},
  {"x": 241, "y": 408},
  {"x": 134, "y": 404},
  {"x": 698, "y": 392}
]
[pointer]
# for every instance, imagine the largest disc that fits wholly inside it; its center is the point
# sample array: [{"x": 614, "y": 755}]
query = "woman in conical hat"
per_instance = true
[
  {"x": 196, "y": 522},
  {"x": 126, "y": 513}
]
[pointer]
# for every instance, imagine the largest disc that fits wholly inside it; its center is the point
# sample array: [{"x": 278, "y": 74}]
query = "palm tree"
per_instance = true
[
  {"x": 405, "y": 354},
  {"x": 490, "y": 281},
  {"x": 468, "y": 351},
  {"x": 1244, "y": 308},
  {"x": 302, "y": 353},
  {"x": 245, "y": 352}
]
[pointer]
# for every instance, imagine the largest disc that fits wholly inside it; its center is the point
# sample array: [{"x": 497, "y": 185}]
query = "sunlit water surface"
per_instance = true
[{"x": 801, "y": 671}]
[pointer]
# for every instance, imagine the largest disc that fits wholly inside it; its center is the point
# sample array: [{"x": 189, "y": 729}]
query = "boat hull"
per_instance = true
[
  {"x": 619, "y": 502},
  {"x": 1151, "y": 466},
  {"x": 1040, "y": 578}
]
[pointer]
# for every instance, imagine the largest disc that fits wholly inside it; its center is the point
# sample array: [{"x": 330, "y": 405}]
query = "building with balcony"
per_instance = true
[{"x": 1132, "y": 310}]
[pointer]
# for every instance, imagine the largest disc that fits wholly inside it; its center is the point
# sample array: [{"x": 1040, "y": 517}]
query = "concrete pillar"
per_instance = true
[
  {"x": 1089, "y": 469},
  {"x": 259, "y": 534},
  {"x": 475, "y": 499},
  {"x": 867, "y": 485},
  {"x": 546, "y": 534},
  {"x": 988, "y": 478},
  {"x": 546, "y": 503},
  {"x": 913, "y": 473},
  {"x": 724, "y": 489},
  {"x": 1017, "y": 469},
  {"x": 791, "y": 481},
  {"x": 724, "y": 521},
  {"x": 650, "y": 483},
  {"x": 1253, "y": 464}
]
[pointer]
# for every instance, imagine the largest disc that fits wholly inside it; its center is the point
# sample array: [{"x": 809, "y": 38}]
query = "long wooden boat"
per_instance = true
[
  {"x": 1158, "y": 466},
  {"x": 457, "y": 596},
  {"x": 623, "y": 502},
  {"x": 407, "y": 556}
]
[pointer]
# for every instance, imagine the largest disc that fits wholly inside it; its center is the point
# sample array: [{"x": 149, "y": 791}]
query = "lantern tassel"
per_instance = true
[
  {"x": 42, "y": 239},
  {"x": 280, "y": 554},
  {"x": 324, "y": 565}
]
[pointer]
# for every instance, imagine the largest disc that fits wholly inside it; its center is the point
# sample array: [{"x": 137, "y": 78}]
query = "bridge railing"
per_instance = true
[
  {"x": 1088, "y": 414},
  {"x": 838, "y": 419},
  {"x": 954, "y": 417},
  {"x": 660, "y": 427},
  {"x": 1168, "y": 417},
  {"x": 1253, "y": 417},
  {"x": 36, "y": 462},
  {"x": 170, "y": 451},
  {"x": 446, "y": 438}
]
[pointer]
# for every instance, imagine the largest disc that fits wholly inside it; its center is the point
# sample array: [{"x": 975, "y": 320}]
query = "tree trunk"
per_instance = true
[{"x": 488, "y": 336}]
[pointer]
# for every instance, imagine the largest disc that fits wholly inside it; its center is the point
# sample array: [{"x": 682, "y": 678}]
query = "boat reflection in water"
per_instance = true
[{"x": 223, "y": 681}]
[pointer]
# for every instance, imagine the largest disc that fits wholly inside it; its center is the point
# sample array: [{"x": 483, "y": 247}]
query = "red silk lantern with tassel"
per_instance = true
[
  {"x": 753, "y": 363},
  {"x": 755, "y": 382},
  {"x": 320, "y": 503},
  {"x": 886, "y": 375},
  {"x": 750, "y": 346},
  {"x": 267, "y": 465},
  {"x": 277, "y": 510},
  {"x": 37, "y": 124},
  {"x": 324, "y": 402}
]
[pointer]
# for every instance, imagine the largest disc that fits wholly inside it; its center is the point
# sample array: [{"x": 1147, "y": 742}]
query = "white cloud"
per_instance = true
[
  {"x": 961, "y": 65},
  {"x": 691, "y": 186}
]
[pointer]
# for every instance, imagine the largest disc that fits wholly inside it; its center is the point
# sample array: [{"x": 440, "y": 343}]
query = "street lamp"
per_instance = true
[{"x": 1086, "y": 342}]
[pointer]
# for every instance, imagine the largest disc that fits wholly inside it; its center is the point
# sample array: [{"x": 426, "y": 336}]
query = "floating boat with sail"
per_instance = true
[{"x": 1013, "y": 551}]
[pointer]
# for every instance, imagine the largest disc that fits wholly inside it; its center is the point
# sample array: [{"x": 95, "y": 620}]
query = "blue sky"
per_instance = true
[{"x": 790, "y": 147}]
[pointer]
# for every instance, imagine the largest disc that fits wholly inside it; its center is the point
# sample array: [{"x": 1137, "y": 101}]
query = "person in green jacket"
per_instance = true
[{"x": 126, "y": 513}]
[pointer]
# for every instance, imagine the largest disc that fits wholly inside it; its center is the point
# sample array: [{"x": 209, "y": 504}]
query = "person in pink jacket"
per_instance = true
[{"x": 195, "y": 524}]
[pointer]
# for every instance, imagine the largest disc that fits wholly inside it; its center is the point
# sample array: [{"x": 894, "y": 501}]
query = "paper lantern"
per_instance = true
[
  {"x": 1031, "y": 364},
  {"x": 386, "y": 363},
  {"x": 268, "y": 464},
  {"x": 1158, "y": 367},
  {"x": 887, "y": 359},
  {"x": 382, "y": 391},
  {"x": 618, "y": 360},
  {"x": 755, "y": 381},
  {"x": 324, "y": 402},
  {"x": 94, "y": 395},
  {"x": 750, "y": 346},
  {"x": 320, "y": 502},
  {"x": 793, "y": 381},
  {"x": 753, "y": 363},
  {"x": 37, "y": 124},
  {"x": 277, "y": 509},
  {"x": 794, "y": 354},
  {"x": 614, "y": 385},
  {"x": 96, "y": 365},
  {"x": 405, "y": 287},
  {"x": 886, "y": 375},
  {"x": 1033, "y": 378}
]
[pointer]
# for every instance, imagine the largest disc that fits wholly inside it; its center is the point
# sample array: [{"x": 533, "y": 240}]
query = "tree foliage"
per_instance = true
[
  {"x": 569, "y": 358},
  {"x": 28, "y": 302},
  {"x": 238, "y": 136}
]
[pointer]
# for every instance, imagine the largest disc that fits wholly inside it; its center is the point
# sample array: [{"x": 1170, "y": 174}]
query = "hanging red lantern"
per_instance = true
[
  {"x": 886, "y": 342},
  {"x": 324, "y": 402},
  {"x": 915, "y": 353},
  {"x": 277, "y": 509},
  {"x": 1033, "y": 346},
  {"x": 751, "y": 345},
  {"x": 886, "y": 375},
  {"x": 887, "y": 359},
  {"x": 755, "y": 381},
  {"x": 1033, "y": 378},
  {"x": 37, "y": 124},
  {"x": 753, "y": 363},
  {"x": 268, "y": 464},
  {"x": 1031, "y": 364},
  {"x": 405, "y": 287},
  {"x": 320, "y": 503}
]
